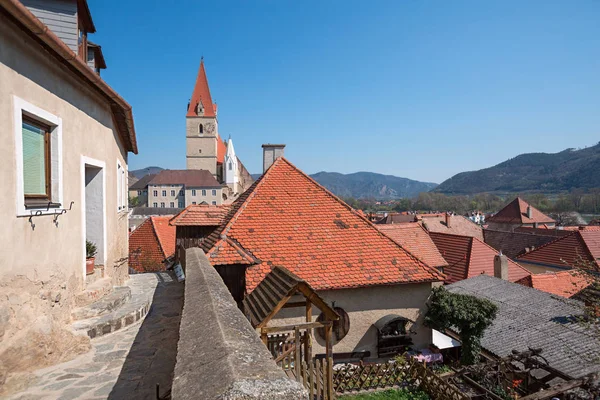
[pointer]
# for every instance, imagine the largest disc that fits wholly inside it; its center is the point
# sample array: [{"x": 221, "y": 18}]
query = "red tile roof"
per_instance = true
[
  {"x": 568, "y": 251},
  {"x": 564, "y": 283},
  {"x": 468, "y": 256},
  {"x": 221, "y": 150},
  {"x": 151, "y": 244},
  {"x": 516, "y": 213},
  {"x": 459, "y": 225},
  {"x": 414, "y": 239},
  {"x": 187, "y": 177},
  {"x": 287, "y": 219},
  {"x": 201, "y": 93},
  {"x": 200, "y": 215}
]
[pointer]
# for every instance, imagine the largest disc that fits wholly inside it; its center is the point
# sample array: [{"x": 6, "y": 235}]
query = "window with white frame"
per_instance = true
[
  {"x": 193, "y": 202},
  {"x": 214, "y": 192},
  {"x": 214, "y": 203},
  {"x": 172, "y": 193},
  {"x": 155, "y": 193},
  {"x": 172, "y": 205},
  {"x": 203, "y": 192},
  {"x": 164, "y": 192},
  {"x": 193, "y": 192},
  {"x": 139, "y": 192},
  {"x": 162, "y": 205},
  {"x": 38, "y": 145},
  {"x": 121, "y": 187},
  {"x": 155, "y": 205}
]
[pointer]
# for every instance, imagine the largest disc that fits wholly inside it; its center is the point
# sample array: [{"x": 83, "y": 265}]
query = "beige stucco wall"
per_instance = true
[
  {"x": 41, "y": 269},
  {"x": 188, "y": 198},
  {"x": 365, "y": 306},
  {"x": 538, "y": 269}
]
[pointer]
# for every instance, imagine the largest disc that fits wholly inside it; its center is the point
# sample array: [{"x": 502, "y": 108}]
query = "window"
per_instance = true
[
  {"x": 164, "y": 192},
  {"x": 121, "y": 187},
  {"x": 200, "y": 129},
  {"x": 139, "y": 192},
  {"x": 193, "y": 202},
  {"x": 172, "y": 193},
  {"x": 203, "y": 192},
  {"x": 36, "y": 161},
  {"x": 155, "y": 205},
  {"x": 145, "y": 192},
  {"x": 214, "y": 192},
  {"x": 182, "y": 192},
  {"x": 162, "y": 205},
  {"x": 172, "y": 205},
  {"x": 193, "y": 192},
  {"x": 214, "y": 203},
  {"x": 155, "y": 193},
  {"x": 230, "y": 166},
  {"x": 181, "y": 204}
]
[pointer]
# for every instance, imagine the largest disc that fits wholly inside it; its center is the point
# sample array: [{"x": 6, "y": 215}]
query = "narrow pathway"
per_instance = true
[{"x": 127, "y": 364}]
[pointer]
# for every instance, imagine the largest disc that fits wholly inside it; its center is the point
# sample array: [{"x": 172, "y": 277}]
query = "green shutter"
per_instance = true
[{"x": 34, "y": 160}]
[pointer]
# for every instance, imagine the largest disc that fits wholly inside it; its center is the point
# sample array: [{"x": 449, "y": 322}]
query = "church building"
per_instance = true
[{"x": 205, "y": 149}]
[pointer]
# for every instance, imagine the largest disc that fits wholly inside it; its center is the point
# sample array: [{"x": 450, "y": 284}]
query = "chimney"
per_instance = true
[
  {"x": 529, "y": 214},
  {"x": 447, "y": 216},
  {"x": 501, "y": 266},
  {"x": 271, "y": 152}
]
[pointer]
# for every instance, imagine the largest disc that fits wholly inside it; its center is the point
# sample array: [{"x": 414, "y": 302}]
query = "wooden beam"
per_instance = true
[
  {"x": 271, "y": 329},
  {"x": 552, "y": 391},
  {"x": 293, "y": 304},
  {"x": 308, "y": 333},
  {"x": 329, "y": 362},
  {"x": 314, "y": 298},
  {"x": 274, "y": 311}
]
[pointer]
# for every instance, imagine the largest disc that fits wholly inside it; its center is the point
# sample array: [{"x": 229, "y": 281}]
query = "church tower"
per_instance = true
[
  {"x": 205, "y": 149},
  {"x": 231, "y": 169}
]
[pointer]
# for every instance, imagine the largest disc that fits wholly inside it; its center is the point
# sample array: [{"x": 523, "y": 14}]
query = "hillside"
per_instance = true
[
  {"x": 532, "y": 172},
  {"x": 139, "y": 173}
]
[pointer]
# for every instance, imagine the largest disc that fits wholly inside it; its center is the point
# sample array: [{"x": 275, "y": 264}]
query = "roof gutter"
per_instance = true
[{"x": 120, "y": 108}]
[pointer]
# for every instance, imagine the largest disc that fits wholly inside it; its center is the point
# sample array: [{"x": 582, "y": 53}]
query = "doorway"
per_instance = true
[{"x": 94, "y": 209}]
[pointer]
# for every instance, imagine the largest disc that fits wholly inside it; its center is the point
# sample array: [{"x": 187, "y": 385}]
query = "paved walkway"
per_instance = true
[{"x": 127, "y": 364}]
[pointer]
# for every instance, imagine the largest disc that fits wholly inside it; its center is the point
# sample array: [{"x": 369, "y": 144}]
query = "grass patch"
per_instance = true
[{"x": 390, "y": 394}]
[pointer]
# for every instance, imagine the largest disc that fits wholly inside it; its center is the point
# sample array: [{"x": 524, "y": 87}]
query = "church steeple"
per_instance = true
[
  {"x": 231, "y": 168},
  {"x": 201, "y": 104}
]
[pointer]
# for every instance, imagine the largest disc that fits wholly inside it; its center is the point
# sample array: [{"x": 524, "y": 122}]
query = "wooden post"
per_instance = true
[
  {"x": 297, "y": 355},
  {"x": 263, "y": 336},
  {"x": 308, "y": 334},
  {"x": 329, "y": 357}
]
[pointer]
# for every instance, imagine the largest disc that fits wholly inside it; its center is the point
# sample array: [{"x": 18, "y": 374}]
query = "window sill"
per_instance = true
[{"x": 36, "y": 209}]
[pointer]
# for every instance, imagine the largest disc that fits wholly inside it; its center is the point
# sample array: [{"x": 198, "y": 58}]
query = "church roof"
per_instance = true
[{"x": 202, "y": 94}]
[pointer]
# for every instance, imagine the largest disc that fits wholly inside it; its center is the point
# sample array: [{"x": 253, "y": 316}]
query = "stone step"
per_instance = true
[
  {"x": 142, "y": 291},
  {"x": 97, "y": 275},
  {"x": 94, "y": 292},
  {"x": 108, "y": 303}
]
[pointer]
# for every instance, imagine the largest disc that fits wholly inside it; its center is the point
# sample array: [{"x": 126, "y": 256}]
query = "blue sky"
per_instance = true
[{"x": 419, "y": 89}]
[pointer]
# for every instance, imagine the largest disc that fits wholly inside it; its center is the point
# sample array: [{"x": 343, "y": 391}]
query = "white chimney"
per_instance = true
[
  {"x": 529, "y": 213},
  {"x": 501, "y": 266},
  {"x": 271, "y": 152}
]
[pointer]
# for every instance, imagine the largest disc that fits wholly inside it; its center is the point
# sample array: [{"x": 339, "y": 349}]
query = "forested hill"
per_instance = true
[{"x": 543, "y": 172}]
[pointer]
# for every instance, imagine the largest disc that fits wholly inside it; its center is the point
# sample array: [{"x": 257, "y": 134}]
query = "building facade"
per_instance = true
[
  {"x": 65, "y": 143},
  {"x": 181, "y": 188}
]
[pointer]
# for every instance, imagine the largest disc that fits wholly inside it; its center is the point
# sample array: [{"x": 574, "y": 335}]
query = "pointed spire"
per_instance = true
[{"x": 201, "y": 95}]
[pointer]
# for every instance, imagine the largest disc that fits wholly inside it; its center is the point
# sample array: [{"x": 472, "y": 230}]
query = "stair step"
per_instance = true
[
  {"x": 94, "y": 292},
  {"x": 142, "y": 289},
  {"x": 108, "y": 303}
]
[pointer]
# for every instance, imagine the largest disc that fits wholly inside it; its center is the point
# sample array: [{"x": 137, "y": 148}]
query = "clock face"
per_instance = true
[{"x": 210, "y": 128}]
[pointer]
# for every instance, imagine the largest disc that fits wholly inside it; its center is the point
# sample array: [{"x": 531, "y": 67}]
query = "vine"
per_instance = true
[{"x": 468, "y": 315}]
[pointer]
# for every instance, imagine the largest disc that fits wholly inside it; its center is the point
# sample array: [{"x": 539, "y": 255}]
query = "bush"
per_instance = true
[
  {"x": 90, "y": 249},
  {"x": 390, "y": 394}
]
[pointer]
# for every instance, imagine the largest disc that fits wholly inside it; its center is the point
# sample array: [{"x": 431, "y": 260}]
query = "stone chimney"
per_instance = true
[
  {"x": 447, "y": 216},
  {"x": 529, "y": 213},
  {"x": 271, "y": 152},
  {"x": 501, "y": 266}
]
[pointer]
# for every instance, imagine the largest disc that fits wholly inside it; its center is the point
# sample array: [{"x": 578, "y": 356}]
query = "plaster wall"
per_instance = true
[
  {"x": 365, "y": 306},
  {"x": 540, "y": 269},
  {"x": 42, "y": 267}
]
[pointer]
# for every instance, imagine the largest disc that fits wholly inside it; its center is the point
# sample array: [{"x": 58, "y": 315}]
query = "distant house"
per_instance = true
[
  {"x": 514, "y": 244},
  {"x": 397, "y": 218},
  {"x": 139, "y": 190},
  {"x": 565, "y": 283},
  {"x": 529, "y": 318},
  {"x": 518, "y": 213},
  {"x": 453, "y": 224},
  {"x": 468, "y": 257},
  {"x": 287, "y": 219},
  {"x": 66, "y": 136},
  {"x": 415, "y": 239},
  {"x": 196, "y": 222},
  {"x": 580, "y": 249},
  {"x": 152, "y": 245},
  {"x": 181, "y": 188}
]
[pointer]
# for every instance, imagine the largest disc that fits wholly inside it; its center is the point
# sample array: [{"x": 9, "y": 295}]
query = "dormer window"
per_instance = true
[
  {"x": 200, "y": 108},
  {"x": 200, "y": 129}
]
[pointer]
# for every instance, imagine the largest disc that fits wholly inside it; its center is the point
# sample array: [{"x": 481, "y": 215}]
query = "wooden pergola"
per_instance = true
[{"x": 293, "y": 351}]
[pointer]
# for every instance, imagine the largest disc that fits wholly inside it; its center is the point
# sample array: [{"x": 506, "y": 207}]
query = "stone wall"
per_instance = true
[{"x": 219, "y": 355}]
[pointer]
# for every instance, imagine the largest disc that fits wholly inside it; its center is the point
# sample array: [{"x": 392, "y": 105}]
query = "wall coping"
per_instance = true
[{"x": 219, "y": 355}]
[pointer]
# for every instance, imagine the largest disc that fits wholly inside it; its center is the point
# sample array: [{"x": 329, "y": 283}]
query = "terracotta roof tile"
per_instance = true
[
  {"x": 201, "y": 93},
  {"x": 564, "y": 283},
  {"x": 516, "y": 213},
  {"x": 467, "y": 257},
  {"x": 459, "y": 225},
  {"x": 151, "y": 244},
  {"x": 288, "y": 219},
  {"x": 200, "y": 215},
  {"x": 568, "y": 251},
  {"x": 415, "y": 239}
]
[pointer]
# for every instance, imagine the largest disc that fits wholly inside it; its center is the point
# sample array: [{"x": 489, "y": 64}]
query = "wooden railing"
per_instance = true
[{"x": 435, "y": 386}]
